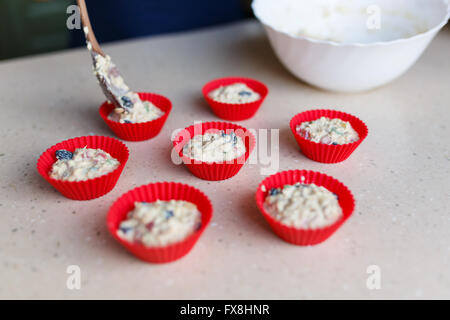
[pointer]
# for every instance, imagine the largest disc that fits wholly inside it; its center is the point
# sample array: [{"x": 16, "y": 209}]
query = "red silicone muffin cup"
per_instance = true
[
  {"x": 138, "y": 131},
  {"x": 305, "y": 237},
  {"x": 240, "y": 111},
  {"x": 92, "y": 188},
  {"x": 325, "y": 153},
  {"x": 150, "y": 193},
  {"x": 214, "y": 170}
]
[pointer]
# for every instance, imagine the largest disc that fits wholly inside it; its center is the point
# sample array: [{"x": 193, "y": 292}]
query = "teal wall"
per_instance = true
[{"x": 32, "y": 26}]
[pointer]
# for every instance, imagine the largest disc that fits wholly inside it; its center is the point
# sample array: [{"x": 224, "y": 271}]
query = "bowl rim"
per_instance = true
[{"x": 432, "y": 30}]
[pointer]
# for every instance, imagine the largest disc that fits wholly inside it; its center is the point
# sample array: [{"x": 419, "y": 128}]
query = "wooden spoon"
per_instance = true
[
  {"x": 109, "y": 79},
  {"x": 90, "y": 36}
]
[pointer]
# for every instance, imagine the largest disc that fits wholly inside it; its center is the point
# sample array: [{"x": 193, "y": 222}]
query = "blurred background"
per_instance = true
[{"x": 38, "y": 26}]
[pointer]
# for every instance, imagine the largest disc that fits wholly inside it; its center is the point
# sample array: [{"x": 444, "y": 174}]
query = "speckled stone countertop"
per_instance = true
[{"x": 399, "y": 175}]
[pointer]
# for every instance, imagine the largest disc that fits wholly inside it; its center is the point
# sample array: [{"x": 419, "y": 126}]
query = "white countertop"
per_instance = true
[{"x": 400, "y": 177}]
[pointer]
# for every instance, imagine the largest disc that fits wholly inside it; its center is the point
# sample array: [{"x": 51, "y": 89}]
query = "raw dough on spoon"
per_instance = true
[{"x": 131, "y": 108}]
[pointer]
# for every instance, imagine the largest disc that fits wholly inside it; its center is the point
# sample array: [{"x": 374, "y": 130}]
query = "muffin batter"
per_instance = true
[
  {"x": 141, "y": 112},
  {"x": 215, "y": 147},
  {"x": 344, "y": 21},
  {"x": 133, "y": 109},
  {"x": 83, "y": 164},
  {"x": 234, "y": 93},
  {"x": 328, "y": 131},
  {"x": 304, "y": 206},
  {"x": 160, "y": 223}
]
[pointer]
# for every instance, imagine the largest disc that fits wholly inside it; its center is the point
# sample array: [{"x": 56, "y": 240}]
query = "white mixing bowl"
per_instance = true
[{"x": 350, "y": 45}]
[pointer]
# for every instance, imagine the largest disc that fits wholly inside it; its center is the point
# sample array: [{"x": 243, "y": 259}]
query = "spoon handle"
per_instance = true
[{"x": 90, "y": 36}]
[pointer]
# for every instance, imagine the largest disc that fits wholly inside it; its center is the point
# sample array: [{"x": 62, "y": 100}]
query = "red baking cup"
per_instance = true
[
  {"x": 214, "y": 170},
  {"x": 92, "y": 188},
  {"x": 239, "y": 111},
  {"x": 150, "y": 193},
  {"x": 305, "y": 237},
  {"x": 328, "y": 153},
  {"x": 138, "y": 131}
]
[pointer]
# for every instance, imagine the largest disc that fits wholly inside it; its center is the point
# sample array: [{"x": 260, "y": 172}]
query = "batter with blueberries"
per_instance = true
[
  {"x": 132, "y": 109},
  {"x": 304, "y": 206},
  {"x": 160, "y": 223},
  {"x": 215, "y": 147},
  {"x": 234, "y": 93},
  {"x": 328, "y": 131},
  {"x": 82, "y": 164}
]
